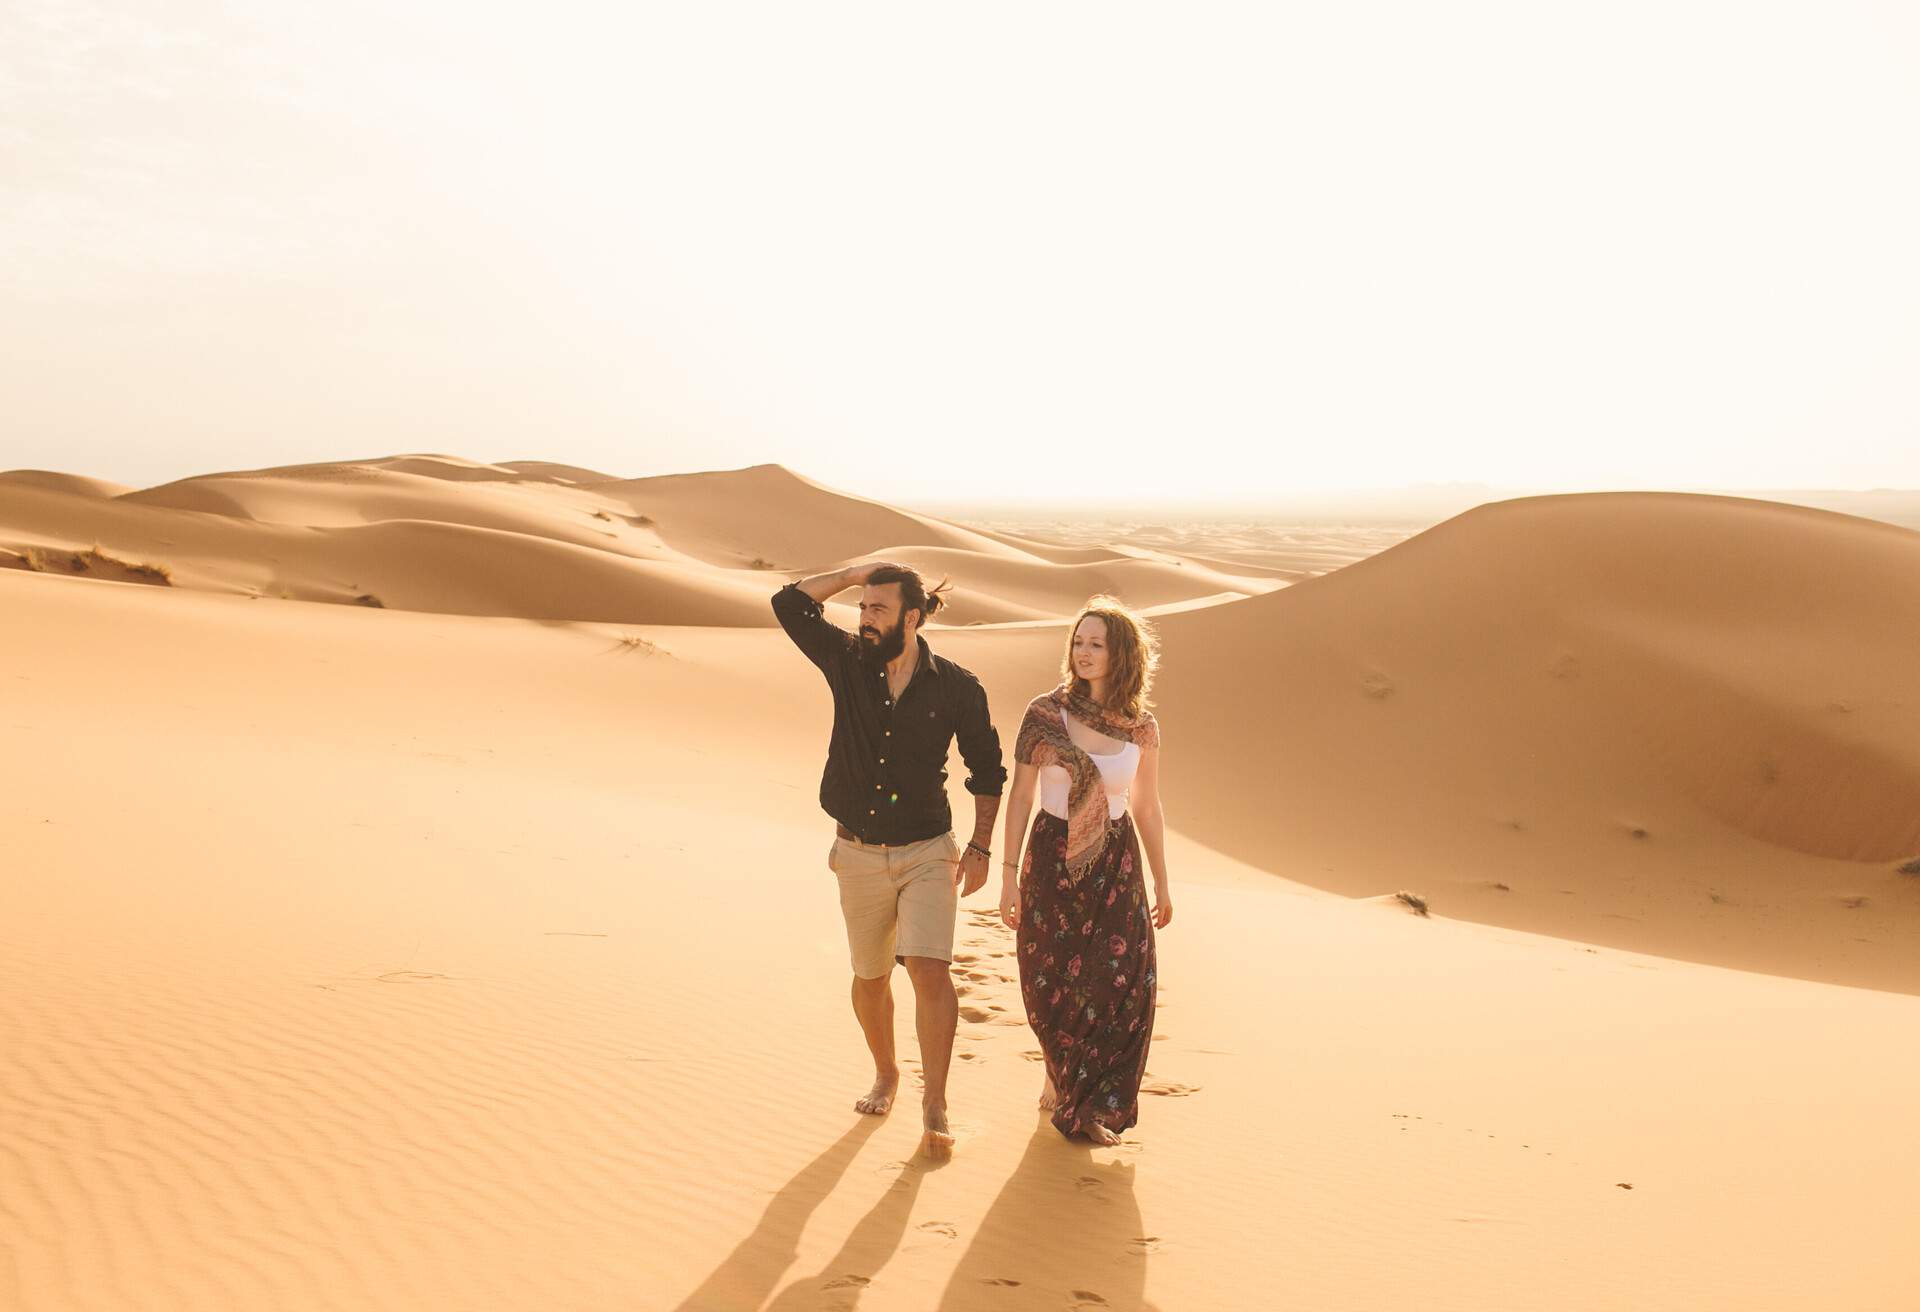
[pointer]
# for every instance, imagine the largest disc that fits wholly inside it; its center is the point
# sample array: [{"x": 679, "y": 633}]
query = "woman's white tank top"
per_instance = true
[{"x": 1116, "y": 769}]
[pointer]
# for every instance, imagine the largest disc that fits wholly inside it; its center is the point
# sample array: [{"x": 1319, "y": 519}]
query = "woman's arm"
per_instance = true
[
  {"x": 1151, "y": 822},
  {"x": 1019, "y": 807}
]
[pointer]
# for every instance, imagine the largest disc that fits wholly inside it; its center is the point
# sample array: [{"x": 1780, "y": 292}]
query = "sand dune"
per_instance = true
[
  {"x": 543, "y": 541},
  {"x": 431, "y": 565},
  {"x": 1690, "y": 725},
  {"x": 1272, "y": 548},
  {"x": 772, "y": 514},
  {"x": 1675, "y": 724},
  {"x": 547, "y": 469},
  {"x": 72, "y": 484},
  {"x": 373, "y": 959},
  {"x": 995, "y": 589},
  {"x": 370, "y": 493}
]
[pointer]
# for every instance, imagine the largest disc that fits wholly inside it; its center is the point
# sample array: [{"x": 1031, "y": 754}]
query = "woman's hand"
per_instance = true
[
  {"x": 1162, "y": 905},
  {"x": 1010, "y": 904}
]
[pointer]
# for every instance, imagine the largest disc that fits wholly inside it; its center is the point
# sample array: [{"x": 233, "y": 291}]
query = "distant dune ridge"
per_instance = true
[
  {"x": 469, "y": 943},
  {"x": 556, "y": 542}
]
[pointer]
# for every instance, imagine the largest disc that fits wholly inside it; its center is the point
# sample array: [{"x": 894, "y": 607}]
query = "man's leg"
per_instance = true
[
  {"x": 928, "y": 905},
  {"x": 873, "y": 1007},
  {"x": 867, "y": 902},
  {"x": 936, "y": 1014}
]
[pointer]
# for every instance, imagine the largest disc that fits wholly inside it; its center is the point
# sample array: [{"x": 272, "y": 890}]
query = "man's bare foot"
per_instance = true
[
  {"x": 1049, "y": 1096},
  {"x": 879, "y": 1098},
  {"x": 1101, "y": 1135},
  {"x": 937, "y": 1142}
]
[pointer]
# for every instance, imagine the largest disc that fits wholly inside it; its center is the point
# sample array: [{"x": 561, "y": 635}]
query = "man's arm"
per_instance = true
[
  {"x": 798, "y": 608},
  {"x": 986, "y": 777},
  {"x": 822, "y": 587}
]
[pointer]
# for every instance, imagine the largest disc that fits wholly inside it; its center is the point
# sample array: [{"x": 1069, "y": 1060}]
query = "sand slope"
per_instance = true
[
  {"x": 770, "y": 513},
  {"x": 544, "y": 541},
  {"x": 1686, "y": 724},
  {"x": 372, "y": 959},
  {"x": 74, "y": 484}
]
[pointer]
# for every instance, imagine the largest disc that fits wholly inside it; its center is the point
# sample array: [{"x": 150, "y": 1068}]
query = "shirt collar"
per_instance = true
[{"x": 929, "y": 662}]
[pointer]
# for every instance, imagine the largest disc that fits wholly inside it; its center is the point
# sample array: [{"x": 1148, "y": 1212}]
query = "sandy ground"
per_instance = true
[{"x": 417, "y": 957}]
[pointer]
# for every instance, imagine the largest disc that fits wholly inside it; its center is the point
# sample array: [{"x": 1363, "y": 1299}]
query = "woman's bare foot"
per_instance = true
[
  {"x": 879, "y": 1098},
  {"x": 1101, "y": 1135},
  {"x": 1049, "y": 1096},
  {"x": 937, "y": 1142}
]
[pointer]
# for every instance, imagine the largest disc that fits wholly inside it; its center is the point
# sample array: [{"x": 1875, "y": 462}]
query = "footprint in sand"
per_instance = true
[
  {"x": 1001, "y": 1281},
  {"x": 1085, "y": 1298},
  {"x": 1145, "y": 1244},
  {"x": 945, "y": 1229},
  {"x": 975, "y": 1014},
  {"x": 1169, "y": 1089},
  {"x": 848, "y": 1282},
  {"x": 1087, "y": 1182}
]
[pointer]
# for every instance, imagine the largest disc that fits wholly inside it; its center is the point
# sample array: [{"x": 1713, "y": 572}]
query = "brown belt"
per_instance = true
[{"x": 852, "y": 837}]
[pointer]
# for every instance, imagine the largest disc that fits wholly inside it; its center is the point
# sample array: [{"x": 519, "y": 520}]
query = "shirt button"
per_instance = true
[
  {"x": 888, "y": 732},
  {"x": 869, "y": 810},
  {"x": 883, "y": 760}
]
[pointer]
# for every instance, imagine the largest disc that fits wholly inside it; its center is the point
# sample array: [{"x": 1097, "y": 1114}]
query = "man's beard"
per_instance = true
[{"x": 878, "y": 650}]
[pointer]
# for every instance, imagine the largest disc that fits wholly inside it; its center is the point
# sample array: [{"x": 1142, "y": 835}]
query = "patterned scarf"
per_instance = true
[{"x": 1043, "y": 740}]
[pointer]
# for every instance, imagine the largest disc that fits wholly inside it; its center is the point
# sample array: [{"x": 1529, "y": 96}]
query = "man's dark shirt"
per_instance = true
[{"x": 886, "y": 775}]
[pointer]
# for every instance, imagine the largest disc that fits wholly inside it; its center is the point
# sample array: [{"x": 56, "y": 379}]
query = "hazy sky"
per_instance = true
[{"x": 984, "y": 250}]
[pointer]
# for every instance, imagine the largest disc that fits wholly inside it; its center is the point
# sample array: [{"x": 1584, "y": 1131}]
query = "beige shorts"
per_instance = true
[{"x": 898, "y": 902}]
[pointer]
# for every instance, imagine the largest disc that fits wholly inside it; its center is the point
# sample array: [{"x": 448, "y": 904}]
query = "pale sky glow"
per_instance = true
[{"x": 941, "y": 251}]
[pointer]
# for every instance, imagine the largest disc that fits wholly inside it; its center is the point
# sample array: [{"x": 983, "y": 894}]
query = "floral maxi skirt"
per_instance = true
[{"x": 1087, "y": 972}]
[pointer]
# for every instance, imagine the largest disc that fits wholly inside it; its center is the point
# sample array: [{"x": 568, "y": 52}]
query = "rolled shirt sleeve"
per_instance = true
[
  {"x": 979, "y": 743},
  {"x": 805, "y": 621}
]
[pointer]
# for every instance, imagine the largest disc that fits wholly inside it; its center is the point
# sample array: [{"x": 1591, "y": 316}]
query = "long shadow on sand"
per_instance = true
[
  {"x": 757, "y": 1262},
  {"x": 1065, "y": 1232},
  {"x": 867, "y": 1248}
]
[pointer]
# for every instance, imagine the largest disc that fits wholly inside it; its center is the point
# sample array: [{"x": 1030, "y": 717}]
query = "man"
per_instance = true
[{"x": 896, "y": 707}]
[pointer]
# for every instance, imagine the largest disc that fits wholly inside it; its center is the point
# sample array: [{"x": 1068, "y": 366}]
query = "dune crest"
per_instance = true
[
  {"x": 703, "y": 548},
  {"x": 1685, "y": 723},
  {"x": 72, "y": 484}
]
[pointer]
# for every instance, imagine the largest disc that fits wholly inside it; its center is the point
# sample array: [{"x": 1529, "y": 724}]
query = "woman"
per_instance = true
[{"x": 1084, "y": 934}]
